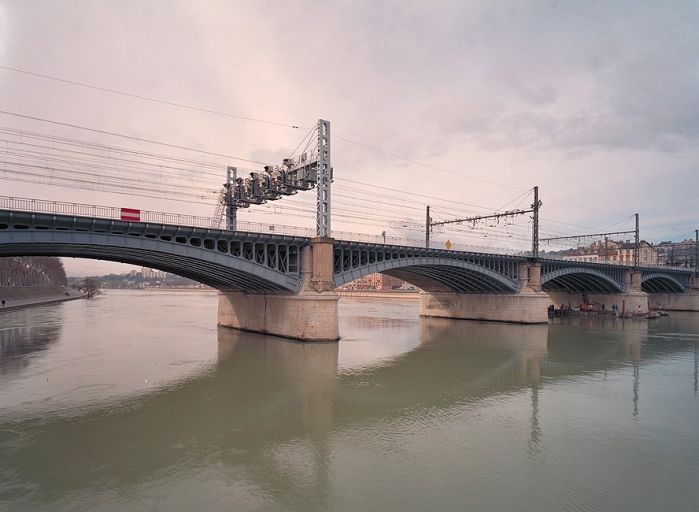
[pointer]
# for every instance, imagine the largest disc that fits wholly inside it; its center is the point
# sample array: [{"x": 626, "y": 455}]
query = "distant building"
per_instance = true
[
  {"x": 149, "y": 273},
  {"x": 623, "y": 253},
  {"x": 612, "y": 251},
  {"x": 680, "y": 254},
  {"x": 591, "y": 258},
  {"x": 376, "y": 282}
]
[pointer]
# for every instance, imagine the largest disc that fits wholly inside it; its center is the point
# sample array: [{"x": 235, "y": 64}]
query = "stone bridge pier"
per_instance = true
[
  {"x": 310, "y": 314},
  {"x": 527, "y": 306}
]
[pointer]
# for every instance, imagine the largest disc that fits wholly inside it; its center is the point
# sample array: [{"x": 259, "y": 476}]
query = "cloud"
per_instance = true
[{"x": 602, "y": 94}]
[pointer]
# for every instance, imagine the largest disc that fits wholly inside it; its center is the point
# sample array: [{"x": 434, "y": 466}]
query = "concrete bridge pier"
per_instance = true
[
  {"x": 635, "y": 299},
  {"x": 527, "y": 306},
  {"x": 308, "y": 315}
]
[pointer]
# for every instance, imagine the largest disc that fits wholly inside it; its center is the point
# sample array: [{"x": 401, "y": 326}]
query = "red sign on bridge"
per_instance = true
[{"x": 131, "y": 214}]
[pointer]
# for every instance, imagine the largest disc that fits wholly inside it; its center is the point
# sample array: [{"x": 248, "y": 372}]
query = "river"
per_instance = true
[{"x": 136, "y": 401}]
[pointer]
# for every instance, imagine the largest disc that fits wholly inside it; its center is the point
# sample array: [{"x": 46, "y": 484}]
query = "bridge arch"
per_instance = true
[
  {"x": 206, "y": 256},
  {"x": 580, "y": 279},
  {"x": 661, "y": 283},
  {"x": 436, "y": 274}
]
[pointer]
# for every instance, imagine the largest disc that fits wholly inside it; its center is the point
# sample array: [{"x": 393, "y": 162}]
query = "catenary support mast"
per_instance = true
[{"x": 324, "y": 180}]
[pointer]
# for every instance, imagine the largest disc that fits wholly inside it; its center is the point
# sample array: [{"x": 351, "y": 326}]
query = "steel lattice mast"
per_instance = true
[
  {"x": 534, "y": 209},
  {"x": 311, "y": 168},
  {"x": 635, "y": 232},
  {"x": 324, "y": 180}
]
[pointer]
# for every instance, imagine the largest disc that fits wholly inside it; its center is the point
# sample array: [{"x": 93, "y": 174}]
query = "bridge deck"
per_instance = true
[{"x": 270, "y": 262}]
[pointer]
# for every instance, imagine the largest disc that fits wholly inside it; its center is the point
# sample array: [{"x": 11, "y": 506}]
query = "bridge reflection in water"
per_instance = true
[{"x": 268, "y": 422}]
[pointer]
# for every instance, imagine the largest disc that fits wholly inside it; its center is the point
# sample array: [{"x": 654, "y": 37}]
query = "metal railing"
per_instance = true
[
  {"x": 102, "y": 212},
  {"x": 114, "y": 213},
  {"x": 613, "y": 263}
]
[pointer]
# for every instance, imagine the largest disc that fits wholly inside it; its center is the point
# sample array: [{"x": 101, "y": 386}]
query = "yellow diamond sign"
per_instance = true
[{"x": 448, "y": 244}]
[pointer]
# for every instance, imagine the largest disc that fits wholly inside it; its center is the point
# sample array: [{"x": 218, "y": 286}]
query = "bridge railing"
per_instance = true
[
  {"x": 102, "y": 212},
  {"x": 614, "y": 263},
  {"x": 115, "y": 213}
]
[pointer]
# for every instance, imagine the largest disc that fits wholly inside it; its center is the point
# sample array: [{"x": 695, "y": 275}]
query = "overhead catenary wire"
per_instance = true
[
  {"x": 22, "y": 135},
  {"x": 245, "y": 118},
  {"x": 148, "y": 98},
  {"x": 140, "y": 139},
  {"x": 276, "y": 123},
  {"x": 131, "y": 137},
  {"x": 204, "y": 192},
  {"x": 123, "y": 169},
  {"x": 352, "y": 213},
  {"x": 112, "y": 150}
]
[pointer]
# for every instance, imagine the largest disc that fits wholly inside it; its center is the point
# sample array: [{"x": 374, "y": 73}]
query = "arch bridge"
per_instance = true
[{"x": 284, "y": 279}]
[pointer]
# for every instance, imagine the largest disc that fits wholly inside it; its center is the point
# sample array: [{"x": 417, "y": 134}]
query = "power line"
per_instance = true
[
  {"x": 109, "y": 165},
  {"x": 125, "y": 167},
  {"x": 414, "y": 194},
  {"x": 86, "y": 185},
  {"x": 246, "y": 118},
  {"x": 275, "y": 123},
  {"x": 135, "y": 189},
  {"x": 148, "y": 98},
  {"x": 563, "y": 201},
  {"x": 433, "y": 200},
  {"x": 168, "y": 188},
  {"x": 68, "y": 141},
  {"x": 130, "y": 137},
  {"x": 206, "y": 152},
  {"x": 423, "y": 164}
]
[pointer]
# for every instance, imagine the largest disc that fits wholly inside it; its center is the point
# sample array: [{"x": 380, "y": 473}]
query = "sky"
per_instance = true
[{"x": 596, "y": 102}]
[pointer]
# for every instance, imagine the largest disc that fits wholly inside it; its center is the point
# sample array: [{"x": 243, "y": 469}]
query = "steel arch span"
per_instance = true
[
  {"x": 580, "y": 279},
  {"x": 661, "y": 283},
  {"x": 222, "y": 259},
  {"x": 429, "y": 269}
]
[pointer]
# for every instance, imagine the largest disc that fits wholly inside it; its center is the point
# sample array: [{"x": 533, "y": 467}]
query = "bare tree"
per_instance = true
[{"x": 35, "y": 271}]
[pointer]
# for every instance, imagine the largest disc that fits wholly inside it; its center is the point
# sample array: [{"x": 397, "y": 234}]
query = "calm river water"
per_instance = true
[{"x": 136, "y": 401}]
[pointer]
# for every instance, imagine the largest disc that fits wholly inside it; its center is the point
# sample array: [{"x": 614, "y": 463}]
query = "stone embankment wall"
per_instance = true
[
  {"x": 378, "y": 295},
  {"x": 23, "y": 297},
  {"x": 30, "y": 292},
  {"x": 25, "y": 281}
]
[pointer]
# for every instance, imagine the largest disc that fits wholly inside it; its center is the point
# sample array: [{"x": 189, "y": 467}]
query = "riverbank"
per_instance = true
[{"x": 15, "y": 303}]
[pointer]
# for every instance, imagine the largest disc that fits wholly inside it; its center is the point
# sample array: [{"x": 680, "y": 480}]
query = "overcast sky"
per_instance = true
[{"x": 595, "y": 102}]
